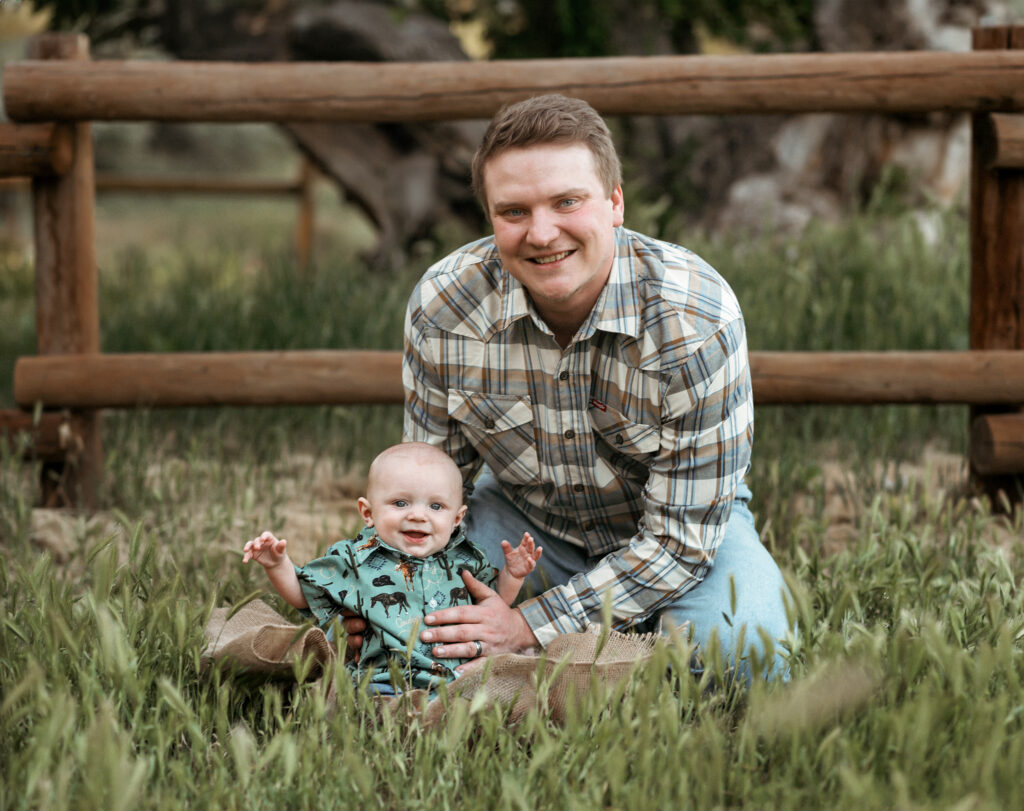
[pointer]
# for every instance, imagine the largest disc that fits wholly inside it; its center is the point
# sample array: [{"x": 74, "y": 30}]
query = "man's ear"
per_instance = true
[
  {"x": 366, "y": 511},
  {"x": 460, "y": 515},
  {"x": 618, "y": 207}
]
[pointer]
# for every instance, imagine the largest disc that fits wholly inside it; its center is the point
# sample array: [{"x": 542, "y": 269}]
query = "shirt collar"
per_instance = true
[
  {"x": 617, "y": 308},
  {"x": 367, "y": 543}
]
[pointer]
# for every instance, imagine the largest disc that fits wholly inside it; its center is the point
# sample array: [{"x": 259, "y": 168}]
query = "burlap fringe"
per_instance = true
[{"x": 256, "y": 640}]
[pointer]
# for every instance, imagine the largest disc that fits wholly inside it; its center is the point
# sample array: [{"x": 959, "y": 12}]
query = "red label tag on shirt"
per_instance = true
[{"x": 598, "y": 404}]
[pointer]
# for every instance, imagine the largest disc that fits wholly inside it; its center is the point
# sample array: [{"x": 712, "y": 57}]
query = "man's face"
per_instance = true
[
  {"x": 414, "y": 504},
  {"x": 554, "y": 226}
]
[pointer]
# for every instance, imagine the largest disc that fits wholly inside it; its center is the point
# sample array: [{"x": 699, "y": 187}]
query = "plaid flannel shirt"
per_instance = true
[{"x": 630, "y": 442}]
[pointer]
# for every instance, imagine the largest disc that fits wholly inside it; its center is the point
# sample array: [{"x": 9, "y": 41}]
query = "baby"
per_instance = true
[{"x": 406, "y": 562}]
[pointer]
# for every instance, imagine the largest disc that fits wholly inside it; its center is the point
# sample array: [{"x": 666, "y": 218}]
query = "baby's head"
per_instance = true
[{"x": 413, "y": 498}]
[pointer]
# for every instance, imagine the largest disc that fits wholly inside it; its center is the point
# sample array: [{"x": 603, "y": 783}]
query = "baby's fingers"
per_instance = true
[{"x": 251, "y": 550}]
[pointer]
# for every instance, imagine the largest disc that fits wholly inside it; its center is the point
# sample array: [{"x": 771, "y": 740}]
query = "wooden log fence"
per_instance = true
[
  {"x": 906, "y": 82},
  {"x": 20, "y": 169},
  {"x": 54, "y": 96},
  {"x": 325, "y": 377}
]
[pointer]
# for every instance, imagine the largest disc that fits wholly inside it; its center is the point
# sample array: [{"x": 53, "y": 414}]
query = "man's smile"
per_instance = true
[{"x": 553, "y": 257}]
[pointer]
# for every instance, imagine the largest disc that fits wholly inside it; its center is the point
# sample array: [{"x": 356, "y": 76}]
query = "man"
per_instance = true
[{"x": 597, "y": 379}]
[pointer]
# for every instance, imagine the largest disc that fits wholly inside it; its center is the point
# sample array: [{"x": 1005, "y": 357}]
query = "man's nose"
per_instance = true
[{"x": 543, "y": 229}]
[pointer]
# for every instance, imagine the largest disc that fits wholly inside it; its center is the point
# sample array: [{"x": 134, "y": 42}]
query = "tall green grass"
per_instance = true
[
  {"x": 906, "y": 689},
  {"x": 906, "y": 650}
]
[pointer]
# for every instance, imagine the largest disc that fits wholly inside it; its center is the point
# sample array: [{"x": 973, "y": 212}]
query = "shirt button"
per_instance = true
[
  {"x": 569, "y": 434},
  {"x": 563, "y": 376},
  {"x": 433, "y": 603},
  {"x": 578, "y": 488},
  {"x": 588, "y": 527},
  {"x": 618, "y": 439},
  {"x": 488, "y": 423}
]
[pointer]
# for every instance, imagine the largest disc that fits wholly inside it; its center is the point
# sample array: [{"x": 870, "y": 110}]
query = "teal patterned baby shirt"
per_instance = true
[{"x": 393, "y": 591}]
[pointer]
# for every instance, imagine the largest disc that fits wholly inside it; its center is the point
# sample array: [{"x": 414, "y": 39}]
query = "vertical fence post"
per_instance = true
[
  {"x": 67, "y": 306},
  {"x": 304, "y": 225},
  {"x": 997, "y": 252}
]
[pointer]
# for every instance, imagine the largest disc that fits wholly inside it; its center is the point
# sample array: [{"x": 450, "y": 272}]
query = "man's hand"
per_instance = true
[
  {"x": 354, "y": 626},
  {"x": 522, "y": 560},
  {"x": 489, "y": 621}
]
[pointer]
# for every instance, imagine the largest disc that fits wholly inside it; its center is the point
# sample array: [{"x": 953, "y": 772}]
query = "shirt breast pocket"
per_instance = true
[
  {"x": 501, "y": 428},
  {"x": 627, "y": 445}
]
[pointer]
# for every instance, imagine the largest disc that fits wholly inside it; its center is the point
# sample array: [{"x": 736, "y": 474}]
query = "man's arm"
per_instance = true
[
  {"x": 706, "y": 435},
  {"x": 426, "y": 395}
]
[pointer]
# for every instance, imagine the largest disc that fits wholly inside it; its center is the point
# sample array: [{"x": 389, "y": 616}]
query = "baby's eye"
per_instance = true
[
  {"x": 400, "y": 502},
  {"x": 436, "y": 506}
]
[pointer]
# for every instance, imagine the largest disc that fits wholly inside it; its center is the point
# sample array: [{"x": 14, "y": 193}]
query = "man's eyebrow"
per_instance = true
[{"x": 500, "y": 205}]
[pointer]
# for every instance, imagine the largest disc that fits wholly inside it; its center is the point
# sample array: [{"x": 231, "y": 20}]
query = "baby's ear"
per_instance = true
[
  {"x": 366, "y": 511},
  {"x": 460, "y": 515}
]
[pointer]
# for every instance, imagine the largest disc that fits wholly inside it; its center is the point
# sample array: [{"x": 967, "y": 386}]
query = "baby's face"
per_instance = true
[{"x": 413, "y": 504}]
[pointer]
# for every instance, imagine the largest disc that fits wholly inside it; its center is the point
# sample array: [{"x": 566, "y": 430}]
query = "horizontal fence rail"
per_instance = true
[
  {"x": 905, "y": 82},
  {"x": 197, "y": 185},
  {"x": 59, "y": 85},
  {"x": 322, "y": 377},
  {"x": 35, "y": 149},
  {"x": 50, "y": 435},
  {"x": 310, "y": 377},
  {"x": 132, "y": 184}
]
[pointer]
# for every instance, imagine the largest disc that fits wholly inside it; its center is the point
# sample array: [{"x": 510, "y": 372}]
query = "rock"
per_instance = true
[
  {"x": 55, "y": 531},
  {"x": 407, "y": 177}
]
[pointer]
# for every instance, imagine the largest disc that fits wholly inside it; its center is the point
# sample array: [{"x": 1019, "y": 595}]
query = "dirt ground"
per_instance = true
[{"x": 317, "y": 505}]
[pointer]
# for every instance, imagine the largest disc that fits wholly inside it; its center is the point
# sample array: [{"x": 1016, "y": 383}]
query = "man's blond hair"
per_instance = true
[{"x": 548, "y": 119}]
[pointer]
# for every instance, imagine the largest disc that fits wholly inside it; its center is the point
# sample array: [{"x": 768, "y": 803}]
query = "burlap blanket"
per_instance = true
[{"x": 256, "y": 640}]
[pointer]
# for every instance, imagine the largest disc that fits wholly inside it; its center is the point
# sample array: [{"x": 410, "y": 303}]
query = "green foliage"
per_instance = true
[
  {"x": 763, "y": 25},
  {"x": 907, "y": 686},
  {"x": 69, "y": 13},
  {"x": 548, "y": 29}
]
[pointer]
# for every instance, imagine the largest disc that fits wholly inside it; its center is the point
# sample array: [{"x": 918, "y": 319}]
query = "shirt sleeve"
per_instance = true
[
  {"x": 704, "y": 452},
  {"x": 426, "y": 393},
  {"x": 325, "y": 588}
]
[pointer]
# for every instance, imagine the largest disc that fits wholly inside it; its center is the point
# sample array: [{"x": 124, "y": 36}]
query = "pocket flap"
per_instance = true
[
  {"x": 624, "y": 435},
  {"x": 489, "y": 412}
]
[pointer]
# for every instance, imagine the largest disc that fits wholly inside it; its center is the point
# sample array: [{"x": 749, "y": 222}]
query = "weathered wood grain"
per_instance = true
[
  {"x": 28, "y": 150},
  {"x": 921, "y": 81},
  {"x": 320, "y": 377}
]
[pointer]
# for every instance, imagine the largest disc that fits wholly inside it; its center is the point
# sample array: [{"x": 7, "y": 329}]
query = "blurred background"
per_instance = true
[{"x": 838, "y": 232}]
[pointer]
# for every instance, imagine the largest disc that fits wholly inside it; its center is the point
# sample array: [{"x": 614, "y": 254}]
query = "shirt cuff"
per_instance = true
[{"x": 550, "y": 615}]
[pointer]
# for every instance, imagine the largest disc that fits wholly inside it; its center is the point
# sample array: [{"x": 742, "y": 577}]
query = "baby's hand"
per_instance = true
[
  {"x": 266, "y": 550},
  {"x": 522, "y": 560}
]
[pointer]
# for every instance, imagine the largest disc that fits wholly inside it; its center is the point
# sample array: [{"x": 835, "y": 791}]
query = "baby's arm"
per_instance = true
[
  {"x": 519, "y": 562},
  {"x": 271, "y": 554}
]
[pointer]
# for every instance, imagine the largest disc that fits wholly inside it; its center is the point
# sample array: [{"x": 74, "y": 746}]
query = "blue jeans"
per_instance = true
[{"x": 759, "y": 619}]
